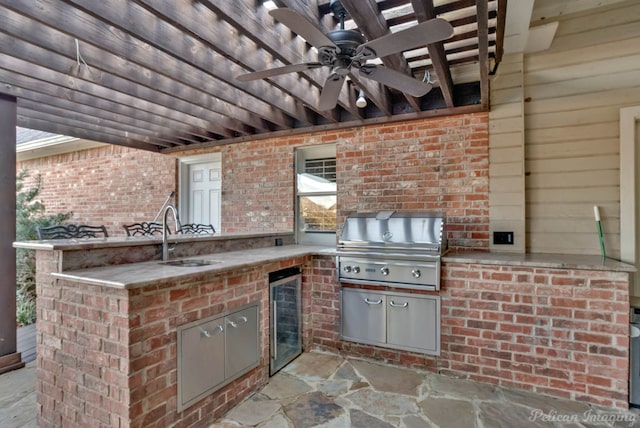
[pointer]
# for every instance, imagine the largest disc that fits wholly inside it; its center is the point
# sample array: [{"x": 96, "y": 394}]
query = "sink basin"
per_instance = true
[{"x": 189, "y": 262}]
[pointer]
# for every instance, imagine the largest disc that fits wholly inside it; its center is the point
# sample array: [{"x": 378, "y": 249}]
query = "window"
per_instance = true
[{"x": 316, "y": 194}]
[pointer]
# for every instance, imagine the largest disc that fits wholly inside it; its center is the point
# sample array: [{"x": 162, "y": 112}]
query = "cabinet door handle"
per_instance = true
[
  {"x": 398, "y": 305},
  {"x": 207, "y": 333},
  {"x": 240, "y": 320},
  {"x": 372, "y": 302},
  {"x": 275, "y": 330}
]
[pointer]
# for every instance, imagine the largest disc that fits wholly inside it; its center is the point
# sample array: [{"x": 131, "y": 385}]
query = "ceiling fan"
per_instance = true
[{"x": 343, "y": 50}]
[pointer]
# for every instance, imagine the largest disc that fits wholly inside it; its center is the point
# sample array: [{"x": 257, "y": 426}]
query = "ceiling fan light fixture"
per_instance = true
[{"x": 361, "y": 102}]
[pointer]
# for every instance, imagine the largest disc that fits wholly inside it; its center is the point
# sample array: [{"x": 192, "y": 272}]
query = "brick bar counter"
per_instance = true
[
  {"x": 548, "y": 323},
  {"x": 107, "y": 345}
]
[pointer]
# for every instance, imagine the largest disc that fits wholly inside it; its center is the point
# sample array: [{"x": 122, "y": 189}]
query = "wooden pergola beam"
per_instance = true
[
  {"x": 483, "y": 51},
  {"x": 425, "y": 11},
  {"x": 10, "y": 359}
]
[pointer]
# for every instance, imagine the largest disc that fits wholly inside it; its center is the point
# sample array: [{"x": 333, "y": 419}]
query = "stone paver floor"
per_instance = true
[
  {"x": 329, "y": 391},
  {"x": 18, "y": 397}
]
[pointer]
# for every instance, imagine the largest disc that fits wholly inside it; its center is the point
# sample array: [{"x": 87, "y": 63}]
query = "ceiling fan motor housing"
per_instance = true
[{"x": 347, "y": 42}]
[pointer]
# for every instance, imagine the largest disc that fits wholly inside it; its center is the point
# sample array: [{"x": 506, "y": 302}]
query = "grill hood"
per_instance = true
[{"x": 394, "y": 230}]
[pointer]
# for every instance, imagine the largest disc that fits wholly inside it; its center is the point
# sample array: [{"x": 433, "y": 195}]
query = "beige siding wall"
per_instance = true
[
  {"x": 573, "y": 95},
  {"x": 506, "y": 153}
]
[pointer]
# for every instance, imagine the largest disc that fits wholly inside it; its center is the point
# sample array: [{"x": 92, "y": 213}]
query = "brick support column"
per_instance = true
[{"x": 9, "y": 358}]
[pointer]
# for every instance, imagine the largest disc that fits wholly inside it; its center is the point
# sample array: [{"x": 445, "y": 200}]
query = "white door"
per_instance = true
[{"x": 203, "y": 187}]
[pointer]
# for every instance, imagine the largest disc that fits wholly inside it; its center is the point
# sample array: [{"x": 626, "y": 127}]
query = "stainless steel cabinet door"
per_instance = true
[
  {"x": 202, "y": 359},
  {"x": 363, "y": 316},
  {"x": 241, "y": 341},
  {"x": 413, "y": 323}
]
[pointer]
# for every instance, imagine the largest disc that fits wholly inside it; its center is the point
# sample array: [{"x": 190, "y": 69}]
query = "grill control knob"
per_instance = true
[
  {"x": 356, "y": 269},
  {"x": 384, "y": 271},
  {"x": 347, "y": 269},
  {"x": 416, "y": 273}
]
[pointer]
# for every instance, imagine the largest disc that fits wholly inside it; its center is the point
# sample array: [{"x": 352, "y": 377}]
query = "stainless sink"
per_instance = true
[{"x": 189, "y": 262}]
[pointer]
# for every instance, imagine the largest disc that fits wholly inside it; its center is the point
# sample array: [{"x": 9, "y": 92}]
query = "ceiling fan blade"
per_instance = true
[
  {"x": 301, "y": 26},
  {"x": 422, "y": 34},
  {"x": 271, "y": 72},
  {"x": 395, "y": 79},
  {"x": 330, "y": 92}
]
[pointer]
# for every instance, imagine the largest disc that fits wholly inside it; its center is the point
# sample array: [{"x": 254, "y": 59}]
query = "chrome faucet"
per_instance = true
[{"x": 165, "y": 243}]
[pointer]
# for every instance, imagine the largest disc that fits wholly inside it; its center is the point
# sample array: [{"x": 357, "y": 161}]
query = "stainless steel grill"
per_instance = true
[{"x": 401, "y": 250}]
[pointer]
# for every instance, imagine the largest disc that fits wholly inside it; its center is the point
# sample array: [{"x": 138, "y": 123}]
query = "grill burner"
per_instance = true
[{"x": 401, "y": 250}]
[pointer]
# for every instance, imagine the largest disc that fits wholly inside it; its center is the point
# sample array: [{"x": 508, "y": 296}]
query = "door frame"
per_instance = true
[
  {"x": 183, "y": 180},
  {"x": 629, "y": 166}
]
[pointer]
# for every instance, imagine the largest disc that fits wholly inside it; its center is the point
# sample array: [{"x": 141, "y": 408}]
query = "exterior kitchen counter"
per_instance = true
[
  {"x": 133, "y": 241},
  {"x": 542, "y": 260},
  {"x": 134, "y": 275}
]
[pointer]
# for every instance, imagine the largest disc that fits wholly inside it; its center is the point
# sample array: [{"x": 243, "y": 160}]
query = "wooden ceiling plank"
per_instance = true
[
  {"x": 95, "y": 29},
  {"x": 469, "y": 35},
  {"x": 78, "y": 84},
  {"x": 105, "y": 81},
  {"x": 372, "y": 25},
  {"x": 205, "y": 26},
  {"x": 200, "y": 22},
  {"x": 251, "y": 22},
  {"x": 202, "y": 99},
  {"x": 117, "y": 63},
  {"x": 102, "y": 16},
  {"x": 62, "y": 91},
  {"x": 425, "y": 11},
  {"x": 453, "y": 6},
  {"x": 79, "y": 117},
  {"x": 67, "y": 120},
  {"x": 56, "y": 128},
  {"x": 115, "y": 112},
  {"x": 483, "y": 51},
  {"x": 22, "y": 87}
]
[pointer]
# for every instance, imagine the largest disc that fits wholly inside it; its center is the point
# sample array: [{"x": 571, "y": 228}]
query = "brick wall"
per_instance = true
[
  {"x": 428, "y": 165},
  {"x": 107, "y": 357},
  {"x": 258, "y": 185},
  {"x": 109, "y": 185},
  {"x": 559, "y": 332},
  {"x": 436, "y": 164}
]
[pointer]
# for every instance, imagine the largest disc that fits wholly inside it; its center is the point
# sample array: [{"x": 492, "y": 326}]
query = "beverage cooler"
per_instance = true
[{"x": 285, "y": 317}]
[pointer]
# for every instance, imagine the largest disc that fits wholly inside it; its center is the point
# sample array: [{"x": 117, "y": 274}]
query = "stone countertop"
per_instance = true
[
  {"x": 140, "y": 274},
  {"x": 135, "y": 275},
  {"x": 542, "y": 260},
  {"x": 132, "y": 241}
]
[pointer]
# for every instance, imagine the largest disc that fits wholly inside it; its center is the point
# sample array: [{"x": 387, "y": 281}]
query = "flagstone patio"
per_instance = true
[{"x": 330, "y": 391}]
